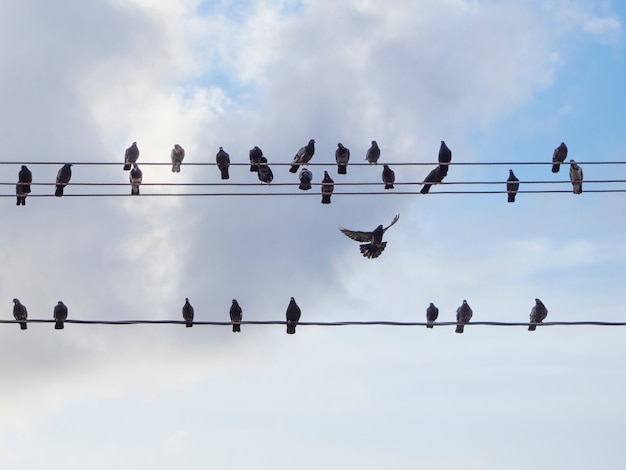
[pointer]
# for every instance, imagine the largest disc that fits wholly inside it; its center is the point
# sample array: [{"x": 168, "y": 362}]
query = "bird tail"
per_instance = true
[
  {"x": 511, "y": 197},
  {"x": 254, "y": 168},
  {"x": 388, "y": 186},
  {"x": 429, "y": 324},
  {"x": 189, "y": 324},
  {"x": 291, "y": 328},
  {"x": 126, "y": 166},
  {"x": 294, "y": 168},
  {"x": 134, "y": 190},
  {"x": 325, "y": 198},
  {"x": 578, "y": 188},
  {"x": 58, "y": 325},
  {"x": 175, "y": 167},
  {"x": 305, "y": 187},
  {"x": 59, "y": 191},
  {"x": 459, "y": 328},
  {"x": 237, "y": 328},
  {"x": 224, "y": 173},
  {"x": 443, "y": 170},
  {"x": 372, "y": 251},
  {"x": 556, "y": 167},
  {"x": 23, "y": 325},
  {"x": 425, "y": 188},
  {"x": 342, "y": 169},
  {"x": 532, "y": 327}
]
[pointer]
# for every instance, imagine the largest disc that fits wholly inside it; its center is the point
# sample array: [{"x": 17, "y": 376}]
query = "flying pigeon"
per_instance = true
[
  {"x": 328, "y": 185},
  {"x": 135, "y": 176},
  {"x": 558, "y": 157},
  {"x": 305, "y": 179},
  {"x": 445, "y": 157},
  {"x": 188, "y": 313},
  {"x": 131, "y": 155},
  {"x": 60, "y": 315},
  {"x": 236, "y": 316},
  {"x": 255, "y": 157},
  {"x": 373, "y": 153},
  {"x": 576, "y": 176},
  {"x": 389, "y": 177},
  {"x": 432, "y": 313},
  {"x": 512, "y": 185},
  {"x": 20, "y": 313},
  {"x": 537, "y": 314},
  {"x": 265, "y": 174},
  {"x": 303, "y": 156},
  {"x": 177, "y": 155},
  {"x": 342, "y": 155},
  {"x": 24, "y": 179},
  {"x": 223, "y": 162},
  {"x": 463, "y": 316},
  {"x": 293, "y": 316},
  {"x": 63, "y": 178},
  {"x": 374, "y": 244},
  {"x": 435, "y": 176}
]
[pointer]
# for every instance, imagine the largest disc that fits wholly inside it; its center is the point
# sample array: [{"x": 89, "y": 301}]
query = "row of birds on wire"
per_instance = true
[
  {"x": 259, "y": 165},
  {"x": 464, "y": 314}
]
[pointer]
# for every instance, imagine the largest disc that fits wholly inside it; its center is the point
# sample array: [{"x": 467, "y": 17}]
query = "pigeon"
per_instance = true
[
  {"x": 255, "y": 157},
  {"x": 463, "y": 316},
  {"x": 432, "y": 313},
  {"x": 435, "y": 176},
  {"x": 178, "y": 155},
  {"x": 24, "y": 179},
  {"x": 63, "y": 178},
  {"x": 20, "y": 313},
  {"x": 445, "y": 156},
  {"x": 303, "y": 156},
  {"x": 305, "y": 179},
  {"x": 576, "y": 176},
  {"x": 188, "y": 313},
  {"x": 537, "y": 314},
  {"x": 131, "y": 155},
  {"x": 342, "y": 155},
  {"x": 373, "y": 153},
  {"x": 374, "y": 244},
  {"x": 389, "y": 177},
  {"x": 558, "y": 157},
  {"x": 135, "y": 176},
  {"x": 60, "y": 315},
  {"x": 293, "y": 316},
  {"x": 223, "y": 162},
  {"x": 512, "y": 185},
  {"x": 328, "y": 185},
  {"x": 265, "y": 172},
  {"x": 236, "y": 316}
]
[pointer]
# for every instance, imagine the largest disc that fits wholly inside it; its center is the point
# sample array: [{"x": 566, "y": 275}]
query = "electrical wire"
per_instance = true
[{"x": 333, "y": 164}]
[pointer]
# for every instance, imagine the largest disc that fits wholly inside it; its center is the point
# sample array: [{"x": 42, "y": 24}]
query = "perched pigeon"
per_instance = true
[
  {"x": 131, "y": 155},
  {"x": 435, "y": 176},
  {"x": 63, "y": 178},
  {"x": 255, "y": 157},
  {"x": 512, "y": 185},
  {"x": 236, "y": 316},
  {"x": 135, "y": 176},
  {"x": 445, "y": 157},
  {"x": 265, "y": 174},
  {"x": 576, "y": 176},
  {"x": 177, "y": 155},
  {"x": 374, "y": 244},
  {"x": 60, "y": 315},
  {"x": 558, "y": 157},
  {"x": 293, "y": 316},
  {"x": 303, "y": 156},
  {"x": 223, "y": 162},
  {"x": 328, "y": 186},
  {"x": 188, "y": 313},
  {"x": 463, "y": 316},
  {"x": 342, "y": 156},
  {"x": 305, "y": 179},
  {"x": 389, "y": 177},
  {"x": 20, "y": 313},
  {"x": 432, "y": 313},
  {"x": 373, "y": 153},
  {"x": 24, "y": 179},
  {"x": 537, "y": 314}
]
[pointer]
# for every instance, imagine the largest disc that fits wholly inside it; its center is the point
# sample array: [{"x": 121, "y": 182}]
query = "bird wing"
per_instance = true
[
  {"x": 356, "y": 235},
  {"x": 395, "y": 219}
]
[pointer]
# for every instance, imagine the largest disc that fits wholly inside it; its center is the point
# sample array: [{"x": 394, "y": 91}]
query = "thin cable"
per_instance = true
[{"x": 333, "y": 164}]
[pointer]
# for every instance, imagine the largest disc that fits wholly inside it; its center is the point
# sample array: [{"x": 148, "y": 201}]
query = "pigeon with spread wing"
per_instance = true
[{"x": 373, "y": 241}]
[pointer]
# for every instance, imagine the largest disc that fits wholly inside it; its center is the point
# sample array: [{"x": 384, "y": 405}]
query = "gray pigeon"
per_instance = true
[
  {"x": 177, "y": 155},
  {"x": 435, "y": 176},
  {"x": 265, "y": 174},
  {"x": 328, "y": 186},
  {"x": 558, "y": 156},
  {"x": 445, "y": 157},
  {"x": 389, "y": 177},
  {"x": 22, "y": 189},
  {"x": 188, "y": 313},
  {"x": 303, "y": 156},
  {"x": 373, "y": 153},
  {"x": 60, "y": 315},
  {"x": 432, "y": 313},
  {"x": 306, "y": 176},
  {"x": 342, "y": 156},
  {"x": 463, "y": 315},
  {"x": 373, "y": 241},
  {"x": 236, "y": 315},
  {"x": 576, "y": 177},
  {"x": 255, "y": 157},
  {"x": 293, "y": 316},
  {"x": 512, "y": 185},
  {"x": 135, "y": 176},
  {"x": 20, "y": 313},
  {"x": 223, "y": 162},
  {"x": 537, "y": 314},
  {"x": 63, "y": 178},
  {"x": 131, "y": 155}
]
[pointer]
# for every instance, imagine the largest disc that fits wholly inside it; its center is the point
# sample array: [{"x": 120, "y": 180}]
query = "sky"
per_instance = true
[{"x": 499, "y": 81}]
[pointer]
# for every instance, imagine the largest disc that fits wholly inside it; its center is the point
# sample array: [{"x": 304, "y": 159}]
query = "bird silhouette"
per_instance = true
[{"x": 373, "y": 241}]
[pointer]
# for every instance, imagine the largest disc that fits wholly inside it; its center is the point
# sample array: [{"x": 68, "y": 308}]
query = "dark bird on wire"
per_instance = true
[
  {"x": 435, "y": 176},
  {"x": 63, "y": 178},
  {"x": 177, "y": 155},
  {"x": 373, "y": 241},
  {"x": 135, "y": 176},
  {"x": 188, "y": 313},
  {"x": 576, "y": 177},
  {"x": 265, "y": 174},
  {"x": 223, "y": 162},
  {"x": 303, "y": 156},
  {"x": 236, "y": 315},
  {"x": 373, "y": 153},
  {"x": 463, "y": 315},
  {"x": 60, "y": 315},
  {"x": 445, "y": 157},
  {"x": 293, "y": 316},
  {"x": 306, "y": 176},
  {"x": 131, "y": 155},
  {"x": 537, "y": 314},
  {"x": 389, "y": 177},
  {"x": 558, "y": 157},
  {"x": 20, "y": 313},
  {"x": 22, "y": 189},
  {"x": 328, "y": 186},
  {"x": 432, "y": 313},
  {"x": 255, "y": 157},
  {"x": 342, "y": 156},
  {"x": 512, "y": 185}
]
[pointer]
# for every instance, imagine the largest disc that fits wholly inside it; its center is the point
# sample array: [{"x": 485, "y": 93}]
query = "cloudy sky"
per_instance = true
[{"x": 499, "y": 81}]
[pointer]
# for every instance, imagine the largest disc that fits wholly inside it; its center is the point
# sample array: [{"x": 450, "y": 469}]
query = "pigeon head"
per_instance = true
[
  {"x": 24, "y": 167},
  {"x": 15, "y": 301}
]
